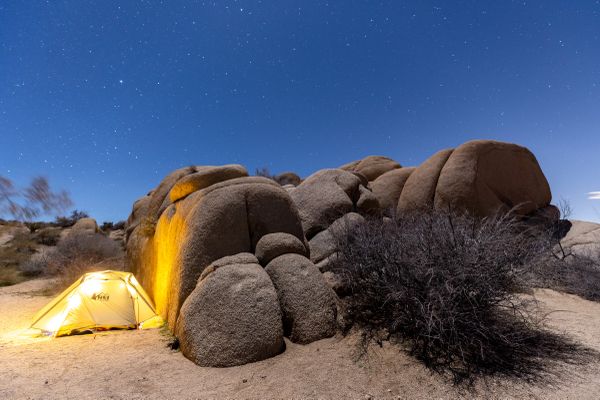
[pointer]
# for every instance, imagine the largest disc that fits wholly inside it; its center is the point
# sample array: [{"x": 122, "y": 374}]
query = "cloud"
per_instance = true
[{"x": 594, "y": 195}]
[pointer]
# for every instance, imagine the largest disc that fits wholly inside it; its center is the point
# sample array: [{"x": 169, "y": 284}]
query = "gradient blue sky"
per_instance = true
[{"x": 106, "y": 97}]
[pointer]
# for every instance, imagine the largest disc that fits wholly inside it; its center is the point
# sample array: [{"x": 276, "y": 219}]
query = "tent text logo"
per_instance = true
[{"x": 100, "y": 296}]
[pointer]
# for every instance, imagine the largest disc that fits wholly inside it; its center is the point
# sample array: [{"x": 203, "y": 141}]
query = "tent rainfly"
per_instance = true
[{"x": 98, "y": 301}]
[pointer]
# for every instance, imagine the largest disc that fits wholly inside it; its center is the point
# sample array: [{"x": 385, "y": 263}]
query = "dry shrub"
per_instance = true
[
  {"x": 574, "y": 274},
  {"x": 79, "y": 253},
  {"x": 445, "y": 287}
]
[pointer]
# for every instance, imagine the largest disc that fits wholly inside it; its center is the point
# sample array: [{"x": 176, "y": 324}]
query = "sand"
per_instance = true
[{"x": 139, "y": 365}]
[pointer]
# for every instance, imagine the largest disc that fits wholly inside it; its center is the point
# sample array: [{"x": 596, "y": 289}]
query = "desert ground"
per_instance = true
[{"x": 139, "y": 365}]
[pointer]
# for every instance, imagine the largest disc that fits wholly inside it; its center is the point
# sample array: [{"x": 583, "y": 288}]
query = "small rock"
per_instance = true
[{"x": 244, "y": 380}]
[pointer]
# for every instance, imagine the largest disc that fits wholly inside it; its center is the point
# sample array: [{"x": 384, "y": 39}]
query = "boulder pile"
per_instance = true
[{"x": 236, "y": 263}]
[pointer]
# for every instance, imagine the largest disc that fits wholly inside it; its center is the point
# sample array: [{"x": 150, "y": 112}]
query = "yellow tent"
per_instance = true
[{"x": 98, "y": 301}]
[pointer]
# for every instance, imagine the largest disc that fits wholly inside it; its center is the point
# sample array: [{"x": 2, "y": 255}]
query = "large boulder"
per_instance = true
[
  {"x": 232, "y": 317},
  {"x": 178, "y": 184},
  {"x": 418, "y": 193},
  {"x": 582, "y": 239},
  {"x": 323, "y": 244},
  {"x": 223, "y": 219},
  {"x": 288, "y": 178},
  {"x": 481, "y": 177},
  {"x": 276, "y": 244},
  {"x": 308, "y": 303},
  {"x": 159, "y": 195},
  {"x": 372, "y": 167},
  {"x": 388, "y": 187},
  {"x": 329, "y": 194},
  {"x": 85, "y": 226},
  {"x": 204, "y": 177},
  {"x": 138, "y": 212}
]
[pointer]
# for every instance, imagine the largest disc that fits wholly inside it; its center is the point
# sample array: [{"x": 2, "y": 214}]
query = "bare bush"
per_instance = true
[
  {"x": 446, "y": 287},
  {"x": 66, "y": 222},
  {"x": 568, "y": 272},
  {"x": 79, "y": 253},
  {"x": 264, "y": 172}
]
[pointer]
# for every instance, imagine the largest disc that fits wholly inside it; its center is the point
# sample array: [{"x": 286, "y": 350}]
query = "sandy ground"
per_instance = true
[{"x": 138, "y": 364}]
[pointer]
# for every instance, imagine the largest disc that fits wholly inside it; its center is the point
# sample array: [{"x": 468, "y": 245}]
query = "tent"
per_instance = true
[{"x": 98, "y": 301}]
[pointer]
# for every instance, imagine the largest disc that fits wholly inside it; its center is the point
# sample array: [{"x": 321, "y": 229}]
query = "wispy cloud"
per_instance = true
[{"x": 594, "y": 195}]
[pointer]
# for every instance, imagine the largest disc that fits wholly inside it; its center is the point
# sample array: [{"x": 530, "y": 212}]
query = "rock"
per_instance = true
[
  {"x": 419, "y": 190},
  {"x": 231, "y": 318},
  {"x": 8, "y": 231},
  {"x": 336, "y": 283},
  {"x": 328, "y": 263},
  {"x": 323, "y": 244},
  {"x": 372, "y": 166},
  {"x": 226, "y": 218},
  {"x": 288, "y": 178},
  {"x": 367, "y": 202},
  {"x": 85, "y": 226},
  {"x": 159, "y": 198},
  {"x": 308, "y": 304},
  {"x": 328, "y": 194},
  {"x": 545, "y": 217},
  {"x": 583, "y": 239},
  {"x": 288, "y": 188},
  {"x": 481, "y": 177},
  {"x": 139, "y": 210},
  {"x": 204, "y": 177},
  {"x": 485, "y": 176},
  {"x": 240, "y": 258},
  {"x": 117, "y": 235},
  {"x": 5, "y": 238},
  {"x": 273, "y": 245},
  {"x": 387, "y": 188}
]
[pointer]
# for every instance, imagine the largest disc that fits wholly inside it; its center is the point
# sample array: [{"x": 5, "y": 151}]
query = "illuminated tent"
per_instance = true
[{"x": 98, "y": 301}]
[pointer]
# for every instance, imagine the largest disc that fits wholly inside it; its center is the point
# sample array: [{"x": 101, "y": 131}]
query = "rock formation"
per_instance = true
[{"x": 235, "y": 263}]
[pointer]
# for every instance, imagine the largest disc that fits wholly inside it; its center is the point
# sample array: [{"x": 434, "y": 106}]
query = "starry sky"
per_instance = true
[{"x": 106, "y": 97}]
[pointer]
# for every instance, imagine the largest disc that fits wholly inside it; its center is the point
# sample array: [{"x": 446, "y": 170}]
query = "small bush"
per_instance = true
[
  {"x": 264, "y": 172},
  {"x": 107, "y": 226},
  {"x": 575, "y": 274},
  {"x": 34, "y": 266},
  {"x": 47, "y": 236},
  {"x": 35, "y": 226},
  {"x": 79, "y": 253},
  {"x": 446, "y": 287},
  {"x": 66, "y": 222}
]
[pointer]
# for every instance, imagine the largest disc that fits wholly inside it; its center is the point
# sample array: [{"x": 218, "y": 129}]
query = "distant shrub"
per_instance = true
[
  {"x": 66, "y": 222},
  {"x": 119, "y": 225},
  {"x": 36, "y": 265},
  {"x": 47, "y": 236},
  {"x": 107, "y": 226},
  {"x": 567, "y": 272},
  {"x": 445, "y": 287},
  {"x": 35, "y": 226},
  {"x": 79, "y": 253},
  {"x": 264, "y": 172}
]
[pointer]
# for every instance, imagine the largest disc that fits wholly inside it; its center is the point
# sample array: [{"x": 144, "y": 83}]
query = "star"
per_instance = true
[{"x": 121, "y": 81}]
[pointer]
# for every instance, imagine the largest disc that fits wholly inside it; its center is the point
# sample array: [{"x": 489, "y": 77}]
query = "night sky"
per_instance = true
[{"x": 105, "y": 98}]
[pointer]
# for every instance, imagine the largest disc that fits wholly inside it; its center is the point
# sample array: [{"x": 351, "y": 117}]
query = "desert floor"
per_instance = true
[{"x": 139, "y": 365}]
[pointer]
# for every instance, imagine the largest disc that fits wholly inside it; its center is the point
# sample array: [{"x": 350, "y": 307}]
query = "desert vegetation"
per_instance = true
[
  {"x": 450, "y": 290},
  {"x": 74, "y": 255}
]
